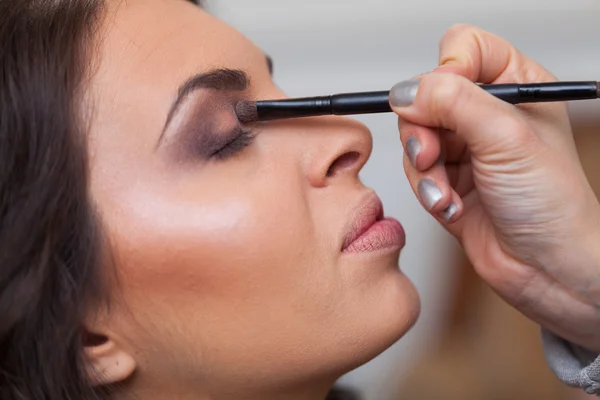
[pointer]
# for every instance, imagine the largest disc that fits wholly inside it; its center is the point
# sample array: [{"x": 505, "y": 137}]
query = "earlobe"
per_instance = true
[{"x": 106, "y": 362}]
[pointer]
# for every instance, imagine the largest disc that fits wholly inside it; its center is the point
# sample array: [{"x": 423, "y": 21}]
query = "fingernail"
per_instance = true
[
  {"x": 449, "y": 212},
  {"x": 403, "y": 94},
  {"x": 413, "y": 148},
  {"x": 429, "y": 193}
]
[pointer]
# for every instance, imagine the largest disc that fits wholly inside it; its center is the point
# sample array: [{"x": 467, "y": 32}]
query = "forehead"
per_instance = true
[
  {"x": 149, "y": 35},
  {"x": 146, "y": 50}
]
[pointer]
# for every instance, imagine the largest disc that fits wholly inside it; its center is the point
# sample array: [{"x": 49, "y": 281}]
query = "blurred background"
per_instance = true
[{"x": 467, "y": 343}]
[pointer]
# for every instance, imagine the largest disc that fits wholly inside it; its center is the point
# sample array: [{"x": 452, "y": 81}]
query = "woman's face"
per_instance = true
[{"x": 229, "y": 245}]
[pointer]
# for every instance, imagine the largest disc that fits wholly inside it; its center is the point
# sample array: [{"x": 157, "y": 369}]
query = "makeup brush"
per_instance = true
[{"x": 378, "y": 102}]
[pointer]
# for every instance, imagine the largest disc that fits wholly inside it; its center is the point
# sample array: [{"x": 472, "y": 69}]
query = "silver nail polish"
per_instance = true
[
  {"x": 449, "y": 212},
  {"x": 413, "y": 148},
  {"x": 429, "y": 193},
  {"x": 403, "y": 94}
]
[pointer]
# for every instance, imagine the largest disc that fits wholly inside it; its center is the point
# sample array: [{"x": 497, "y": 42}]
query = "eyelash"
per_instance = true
[{"x": 242, "y": 138}]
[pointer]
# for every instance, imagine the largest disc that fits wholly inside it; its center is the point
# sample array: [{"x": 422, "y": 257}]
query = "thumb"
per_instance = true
[{"x": 488, "y": 125}]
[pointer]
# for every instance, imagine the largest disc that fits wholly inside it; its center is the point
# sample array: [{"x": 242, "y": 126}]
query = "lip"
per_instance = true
[{"x": 369, "y": 230}]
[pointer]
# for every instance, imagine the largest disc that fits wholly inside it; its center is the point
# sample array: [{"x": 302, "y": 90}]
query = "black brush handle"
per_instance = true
[
  {"x": 378, "y": 102},
  {"x": 515, "y": 93},
  {"x": 360, "y": 103}
]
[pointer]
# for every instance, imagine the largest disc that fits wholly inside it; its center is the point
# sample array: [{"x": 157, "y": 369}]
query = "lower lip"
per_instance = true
[{"x": 385, "y": 234}]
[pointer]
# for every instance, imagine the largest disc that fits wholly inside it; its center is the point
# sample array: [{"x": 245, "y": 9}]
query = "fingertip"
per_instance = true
[
  {"x": 451, "y": 213},
  {"x": 431, "y": 196},
  {"x": 421, "y": 145},
  {"x": 403, "y": 94},
  {"x": 413, "y": 149}
]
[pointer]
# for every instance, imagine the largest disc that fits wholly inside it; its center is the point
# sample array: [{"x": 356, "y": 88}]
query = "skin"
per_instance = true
[
  {"x": 231, "y": 280},
  {"x": 526, "y": 214}
]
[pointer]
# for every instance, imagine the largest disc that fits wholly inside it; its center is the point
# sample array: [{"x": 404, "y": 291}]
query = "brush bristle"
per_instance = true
[{"x": 246, "y": 111}]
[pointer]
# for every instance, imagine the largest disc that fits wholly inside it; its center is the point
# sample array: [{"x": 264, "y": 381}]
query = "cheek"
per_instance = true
[{"x": 202, "y": 251}]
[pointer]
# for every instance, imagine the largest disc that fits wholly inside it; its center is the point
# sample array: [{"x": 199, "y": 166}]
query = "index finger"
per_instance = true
[{"x": 483, "y": 57}]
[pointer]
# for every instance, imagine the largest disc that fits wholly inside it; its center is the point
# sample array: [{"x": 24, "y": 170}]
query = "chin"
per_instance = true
[{"x": 384, "y": 320}]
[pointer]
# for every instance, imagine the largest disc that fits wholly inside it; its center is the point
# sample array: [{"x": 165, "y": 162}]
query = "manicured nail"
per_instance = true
[
  {"x": 429, "y": 193},
  {"x": 403, "y": 94},
  {"x": 449, "y": 212},
  {"x": 413, "y": 148}
]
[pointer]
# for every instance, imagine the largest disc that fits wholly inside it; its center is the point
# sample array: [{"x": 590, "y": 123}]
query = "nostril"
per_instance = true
[{"x": 343, "y": 162}]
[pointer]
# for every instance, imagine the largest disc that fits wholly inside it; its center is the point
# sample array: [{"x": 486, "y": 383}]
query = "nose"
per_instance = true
[{"x": 335, "y": 149}]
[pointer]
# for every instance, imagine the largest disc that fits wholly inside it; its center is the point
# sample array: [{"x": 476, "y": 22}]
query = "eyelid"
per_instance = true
[
  {"x": 242, "y": 138},
  {"x": 209, "y": 130}
]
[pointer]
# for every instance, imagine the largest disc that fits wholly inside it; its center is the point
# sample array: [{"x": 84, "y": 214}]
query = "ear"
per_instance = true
[{"x": 106, "y": 361}]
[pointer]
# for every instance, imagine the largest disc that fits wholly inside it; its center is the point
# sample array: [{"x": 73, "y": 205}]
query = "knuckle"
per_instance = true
[
  {"x": 461, "y": 45},
  {"x": 459, "y": 29},
  {"x": 446, "y": 96},
  {"x": 457, "y": 32}
]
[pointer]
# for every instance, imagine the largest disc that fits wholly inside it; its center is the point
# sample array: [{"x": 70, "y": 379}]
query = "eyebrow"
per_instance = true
[{"x": 221, "y": 79}]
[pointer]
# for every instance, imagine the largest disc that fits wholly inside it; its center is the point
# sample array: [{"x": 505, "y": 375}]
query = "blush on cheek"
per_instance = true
[
  {"x": 158, "y": 240},
  {"x": 219, "y": 260},
  {"x": 214, "y": 245}
]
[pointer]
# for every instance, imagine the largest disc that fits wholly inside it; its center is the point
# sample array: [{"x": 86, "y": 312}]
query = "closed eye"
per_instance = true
[{"x": 241, "y": 139}]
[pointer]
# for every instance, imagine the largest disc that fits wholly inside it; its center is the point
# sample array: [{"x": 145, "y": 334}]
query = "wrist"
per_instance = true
[{"x": 577, "y": 317}]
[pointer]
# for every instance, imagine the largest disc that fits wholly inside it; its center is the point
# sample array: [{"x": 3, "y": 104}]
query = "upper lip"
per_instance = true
[{"x": 364, "y": 216}]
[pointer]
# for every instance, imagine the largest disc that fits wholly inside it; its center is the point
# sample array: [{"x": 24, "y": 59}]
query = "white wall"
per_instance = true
[{"x": 329, "y": 46}]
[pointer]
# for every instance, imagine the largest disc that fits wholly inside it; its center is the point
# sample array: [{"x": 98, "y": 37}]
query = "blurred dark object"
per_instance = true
[{"x": 339, "y": 393}]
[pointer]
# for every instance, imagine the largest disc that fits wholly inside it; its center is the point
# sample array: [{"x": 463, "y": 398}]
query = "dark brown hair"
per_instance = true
[{"x": 50, "y": 242}]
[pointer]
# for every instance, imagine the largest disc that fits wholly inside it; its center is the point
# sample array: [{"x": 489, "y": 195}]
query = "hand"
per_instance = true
[{"x": 506, "y": 181}]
